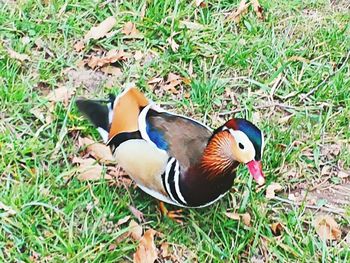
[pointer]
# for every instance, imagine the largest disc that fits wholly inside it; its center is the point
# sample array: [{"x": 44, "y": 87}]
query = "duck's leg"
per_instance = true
[{"x": 175, "y": 215}]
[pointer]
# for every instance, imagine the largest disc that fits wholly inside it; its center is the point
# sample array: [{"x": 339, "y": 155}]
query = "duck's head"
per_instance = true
[{"x": 241, "y": 141}]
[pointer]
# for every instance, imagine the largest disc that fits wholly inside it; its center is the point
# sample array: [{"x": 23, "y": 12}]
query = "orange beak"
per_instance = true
[{"x": 255, "y": 169}]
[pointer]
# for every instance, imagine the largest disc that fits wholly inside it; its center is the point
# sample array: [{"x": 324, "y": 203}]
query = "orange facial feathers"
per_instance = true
[{"x": 126, "y": 112}]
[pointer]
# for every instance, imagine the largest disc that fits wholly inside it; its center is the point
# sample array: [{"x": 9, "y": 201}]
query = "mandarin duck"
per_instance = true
[{"x": 174, "y": 158}]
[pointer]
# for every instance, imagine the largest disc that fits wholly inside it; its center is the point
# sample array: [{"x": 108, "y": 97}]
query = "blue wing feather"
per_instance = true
[{"x": 156, "y": 136}]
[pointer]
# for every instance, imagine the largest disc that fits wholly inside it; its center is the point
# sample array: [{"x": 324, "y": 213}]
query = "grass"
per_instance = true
[{"x": 266, "y": 62}]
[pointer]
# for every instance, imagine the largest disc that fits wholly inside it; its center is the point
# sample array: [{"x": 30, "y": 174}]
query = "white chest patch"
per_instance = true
[{"x": 143, "y": 162}]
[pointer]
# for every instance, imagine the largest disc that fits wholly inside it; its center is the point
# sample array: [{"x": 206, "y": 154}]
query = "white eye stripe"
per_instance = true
[{"x": 242, "y": 138}]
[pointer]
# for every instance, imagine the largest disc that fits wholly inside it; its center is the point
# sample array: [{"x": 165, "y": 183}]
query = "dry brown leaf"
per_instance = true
[
  {"x": 246, "y": 219},
  {"x": 240, "y": 12},
  {"x": 135, "y": 230},
  {"x": 112, "y": 71},
  {"x": 200, "y": 3},
  {"x": 327, "y": 228},
  {"x": 89, "y": 170},
  {"x": 343, "y": 174},
  {"x": 8, "y": 210},
  {"x": 101, "y": 30},
  {"x": 155, "y": 80},
  {"x": 61, "y": 94},
  {"x": 129, "y": 29},
  {"x": 137, "y": 213},
  {"x": 233, "y": 216},
  {"x": 271, "y": 189},
  {"x": 79, "y": 46},
  {"x": 174, "y": 46},
  {"x": 111, "y": 57},
  {"x": 173, "y": 77},
  {"x": 143, "y": 10},
  {"x": 258, "y": 9},
  {"x": 99, "y": 151},
  {"x": 138, "y": 55},
  {"x": 277, "y": 228},
  {"x": 146, "y": 251},
  {"x": 123, "y": 220},
  {"x": 15, "y": 55},
  {"x": 191, "y": 25}
]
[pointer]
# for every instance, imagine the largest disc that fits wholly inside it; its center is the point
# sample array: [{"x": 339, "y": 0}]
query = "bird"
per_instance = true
[{"x": 174, "y": 158}]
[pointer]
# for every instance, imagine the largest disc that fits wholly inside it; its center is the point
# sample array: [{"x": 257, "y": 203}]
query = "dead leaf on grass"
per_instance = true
[
  {"x": 110, "y": 70},
  {"x": 232, "y": 215},
  {"x": 15, "y": 55},
  {"x": 277, "y": 228},
  {"x": 99, "y": 151},
  {"x": 89, "y": 170},
  {"x": 173, "y": 80},
  {"x": 137, "y": 213},
  {"x": 271, "y": 189},
  {"x": 123, "y": 220},
  {"x": 258, "y": 9},
  {"x": 327, "y": 228},
  {"x": 79, "y": 46},
  {"x": 61, "y": 94},
  {"x": 242, "y": 9},
  {"x": 129, "y": 29},
  {"x": 138, "y": 55},
  {"x": 174, "y": 46},
  {"x": 8, "y": 210},
  {"x": 246, "y": 219},
  {"x": 235, "y": 216},
  {"x": 200, "y": 3},
  {"x": 111, "y": 57},
  {"x": 101, "y": 30},
  {"x": 146, "y": 251},
  {"x": 135, "y": 230}
]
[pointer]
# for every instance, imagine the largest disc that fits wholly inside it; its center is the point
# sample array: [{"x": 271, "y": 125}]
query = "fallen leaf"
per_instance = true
[
  {"x": 155, "y": 80},
  {"x": 143, "y": 10},
  {"x": 79, "y": 46},
  {"x": 174, "y": 46},
  {"x": 240, "y": 12},
  {"x": 129, "y": 29},
  {"x": 173, "y": 77},
  {"x": 343, "y": 174},
  {"x": 99, "y": 151},
  {"x": 111, "y": 57},
  {"x": 89, "y": 170},
  {"x": 138, "y": 55},
  {"x": 15, "y": 55},
  {"x": 101, "y": 30},
  {"x": 135, "y": 230},
  {"x": 123, "y": 220},
  {"x": 271, "y": 189},
  {"x": 200, "y": 3},
  {"x": 112, "y": 71},
  {"x": 191, "y": 25},
  {"x": 146, "y": 251},
  {"x": 61, "y": 94},
  {"x": 327, "y": 228},
  {"x": 257, "y": 9},
  {"x": 137, "y": 213},
  {"x": 277, "y": 228},
  {"x": 233, "y": 216},
  {"x": 8, "y": 210},
  {"x": 246, "y": 219}
]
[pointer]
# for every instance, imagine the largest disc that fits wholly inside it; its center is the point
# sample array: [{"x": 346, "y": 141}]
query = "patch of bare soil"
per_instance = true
[
  {"x": 334, "y": 195},
  {"x": 90, "y": 79}
]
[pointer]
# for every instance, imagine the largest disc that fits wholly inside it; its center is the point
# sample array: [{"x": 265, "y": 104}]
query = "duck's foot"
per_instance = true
[{"x": 175, "y": 215}]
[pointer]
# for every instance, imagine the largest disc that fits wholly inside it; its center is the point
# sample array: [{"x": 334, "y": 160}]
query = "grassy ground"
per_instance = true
[{"x": 269, "y": 65}]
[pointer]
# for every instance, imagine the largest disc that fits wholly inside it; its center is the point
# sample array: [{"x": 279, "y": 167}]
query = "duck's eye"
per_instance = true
[{"x": 241, "y": 146}]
